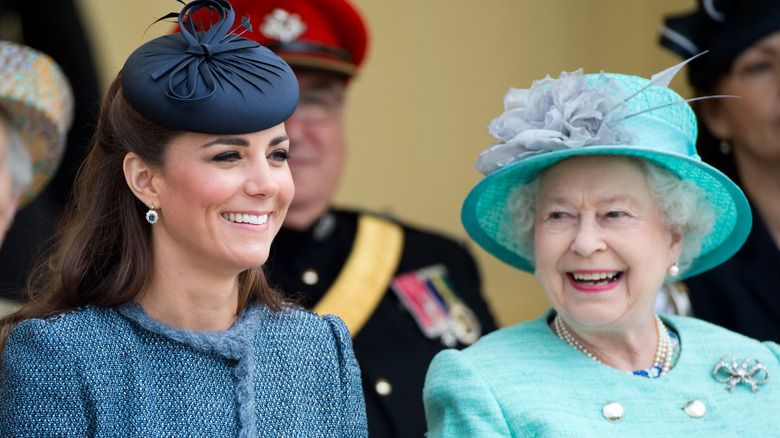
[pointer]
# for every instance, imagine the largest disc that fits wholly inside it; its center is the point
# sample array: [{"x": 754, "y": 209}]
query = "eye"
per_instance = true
[
  {"x": 616, "y": 214},
  {"x": 279, "y": 155},
  {"x": 758, "y": 67},
  {"x": 557, "y": 216},
  {"x": 229, "y": 156}
]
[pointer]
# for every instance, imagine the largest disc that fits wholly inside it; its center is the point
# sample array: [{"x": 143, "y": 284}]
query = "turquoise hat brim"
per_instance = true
[{"x": 487, "y": 219}]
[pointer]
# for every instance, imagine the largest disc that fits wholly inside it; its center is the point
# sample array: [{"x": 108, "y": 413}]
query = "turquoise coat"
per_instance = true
[{"x": 524, "y": 381}]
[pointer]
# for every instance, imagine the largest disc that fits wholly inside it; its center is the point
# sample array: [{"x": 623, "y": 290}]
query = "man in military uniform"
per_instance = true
[{"x": 404, "y": 293}]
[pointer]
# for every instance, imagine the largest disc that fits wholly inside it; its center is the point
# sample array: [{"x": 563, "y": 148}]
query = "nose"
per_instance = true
[
  {"x": 588, "y": 239},
  {"x": 260, "y": 180}
]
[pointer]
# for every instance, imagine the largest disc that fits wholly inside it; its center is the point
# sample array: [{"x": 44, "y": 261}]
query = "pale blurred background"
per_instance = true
[{"x": 435, "y": 76}]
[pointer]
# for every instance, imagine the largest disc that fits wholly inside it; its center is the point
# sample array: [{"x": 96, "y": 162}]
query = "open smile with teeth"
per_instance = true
[
  {"x": 596, "y": 278},
  {"x": 246, "y": 218}
]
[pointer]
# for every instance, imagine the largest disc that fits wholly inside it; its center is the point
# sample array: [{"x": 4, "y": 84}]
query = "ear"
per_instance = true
[
  {"x": 714, "y": 117},
  {"x": 140, "y": 179},
  {"x": 675, "y": 244}
]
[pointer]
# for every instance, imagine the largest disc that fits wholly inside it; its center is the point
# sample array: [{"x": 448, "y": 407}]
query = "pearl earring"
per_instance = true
[
  {"x": 151, "y": 215},
  {"x": 674, "y": 270},
  {"x": 725, "y": 147}
]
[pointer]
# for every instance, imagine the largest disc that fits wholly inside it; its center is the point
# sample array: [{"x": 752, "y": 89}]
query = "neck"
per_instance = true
[
  {"x": 191, "y": 299},
  {"x": 761, "y": 182},
  {"x": 623, "y": 350}
]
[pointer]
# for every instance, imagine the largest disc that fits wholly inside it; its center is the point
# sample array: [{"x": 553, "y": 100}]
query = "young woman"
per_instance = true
[{"x": 155, "y": 318}]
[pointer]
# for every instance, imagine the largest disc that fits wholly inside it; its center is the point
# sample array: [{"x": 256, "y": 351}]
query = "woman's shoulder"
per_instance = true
[
  {"x": 519, "y": 343},
  {"x": 84, "y": 321},
  {"x": 75, "y": 332},
  {"x": 708, "y": 338},
  {"x": 296, "y": 323},
  {"x": 691, "y": 326}
]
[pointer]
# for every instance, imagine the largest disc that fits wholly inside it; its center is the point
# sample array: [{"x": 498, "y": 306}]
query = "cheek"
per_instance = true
[
  {"x": 549, "y": 248},
  {"x": 187, "y": 190},
  {"x": 286, "y": 188}
]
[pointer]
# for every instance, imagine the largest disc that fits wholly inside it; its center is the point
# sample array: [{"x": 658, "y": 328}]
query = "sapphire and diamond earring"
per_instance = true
[{"x": 151, "y": 215}]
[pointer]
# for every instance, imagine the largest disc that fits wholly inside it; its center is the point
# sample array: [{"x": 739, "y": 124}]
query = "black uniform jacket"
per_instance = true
[
  {"x": 391, "y": 349},
  {"x": 743, "y": 294}
]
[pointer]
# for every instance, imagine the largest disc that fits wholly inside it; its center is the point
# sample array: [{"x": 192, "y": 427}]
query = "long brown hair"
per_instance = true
[{"x": 103, "y": 251}]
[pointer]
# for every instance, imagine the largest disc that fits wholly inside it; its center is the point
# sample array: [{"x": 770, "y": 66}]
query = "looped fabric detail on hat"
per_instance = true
[
  {"x": 204, "y": 48},
  {"x": 206, "y": 78}
]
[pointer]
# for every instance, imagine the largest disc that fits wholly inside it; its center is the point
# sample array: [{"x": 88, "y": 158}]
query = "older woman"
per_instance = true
[
  {"x": 153, "y": 318},
  {"x": 741, "y": 138},
  {"x": 595, "y": 186}
]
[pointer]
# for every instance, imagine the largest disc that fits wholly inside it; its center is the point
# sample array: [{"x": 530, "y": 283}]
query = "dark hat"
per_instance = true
[
  {"x": 208, "y": 79},
  {"x": 724, "y": 28},
  {"x": 328, "y": 35}
]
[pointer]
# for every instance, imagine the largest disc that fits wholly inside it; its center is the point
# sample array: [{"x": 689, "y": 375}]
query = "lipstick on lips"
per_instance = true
[{"x": 593, "y": 281}]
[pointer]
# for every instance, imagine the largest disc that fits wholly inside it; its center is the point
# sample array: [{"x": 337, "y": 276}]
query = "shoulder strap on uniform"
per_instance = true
[{"x": 366, "y": 275}]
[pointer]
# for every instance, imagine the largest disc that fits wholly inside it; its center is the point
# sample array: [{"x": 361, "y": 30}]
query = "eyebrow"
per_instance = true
[
  {"x": 232, "y": 141},
  {"x": 238, "y": 141},
  {"x": 278, "y": 140},
  {"x": 562, "y": 200}
]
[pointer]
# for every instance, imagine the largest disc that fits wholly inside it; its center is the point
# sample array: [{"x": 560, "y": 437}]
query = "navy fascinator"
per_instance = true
[{"x": 207, "y": 78}]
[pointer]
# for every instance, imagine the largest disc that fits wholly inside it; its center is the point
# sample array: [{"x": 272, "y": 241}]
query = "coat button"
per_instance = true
[
  {"x": 613, "y": 411},
  {"x": 695, "y": 408},
  {"x": 310, "y": 277},
  {"x": 383, "y": 387}
]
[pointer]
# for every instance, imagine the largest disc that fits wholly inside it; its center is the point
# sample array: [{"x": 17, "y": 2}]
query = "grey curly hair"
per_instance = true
[{"x": 683, "y": 205}]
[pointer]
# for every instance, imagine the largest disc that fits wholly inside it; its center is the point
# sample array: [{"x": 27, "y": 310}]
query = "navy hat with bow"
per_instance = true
[{"x": 208, "y": 79}]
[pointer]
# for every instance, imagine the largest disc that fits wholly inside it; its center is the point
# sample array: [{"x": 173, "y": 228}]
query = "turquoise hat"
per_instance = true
[{"x": 596, "y": 114}]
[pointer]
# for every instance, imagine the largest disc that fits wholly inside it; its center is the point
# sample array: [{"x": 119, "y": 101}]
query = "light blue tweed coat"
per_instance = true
[
  {"x": 523, "y": 381},
  {"x": 102, "y": 372}
]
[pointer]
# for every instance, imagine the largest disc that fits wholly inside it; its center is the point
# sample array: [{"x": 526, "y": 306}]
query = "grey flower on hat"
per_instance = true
[{"x": 557, "y": 114}]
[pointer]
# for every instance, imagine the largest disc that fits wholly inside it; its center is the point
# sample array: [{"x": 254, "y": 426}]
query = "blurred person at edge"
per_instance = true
[
  {"x": 36, "y": 112},
  {"x": 740, "y": 137},
  {"x": 405, "y": 293},
  {"x": 153, "y": 316},
  {"x": 56, "y": 28}
]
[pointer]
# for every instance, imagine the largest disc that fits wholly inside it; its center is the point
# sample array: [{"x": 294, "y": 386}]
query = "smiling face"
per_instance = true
[
  {"x": 221, "y": 199},
  {"x": 600, "y": 246}
]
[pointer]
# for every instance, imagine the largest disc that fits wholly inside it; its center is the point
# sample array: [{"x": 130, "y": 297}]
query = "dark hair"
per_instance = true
[{"x": 102, "y": 256}]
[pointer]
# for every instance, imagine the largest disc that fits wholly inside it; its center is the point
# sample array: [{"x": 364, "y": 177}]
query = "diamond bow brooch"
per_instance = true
[{"x": 750, "y": 371}]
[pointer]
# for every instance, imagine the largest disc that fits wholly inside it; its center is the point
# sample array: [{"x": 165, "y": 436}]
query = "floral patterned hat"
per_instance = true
[
  {"x": 597, "y": 114},
  {"x": 36, "y": 97}
]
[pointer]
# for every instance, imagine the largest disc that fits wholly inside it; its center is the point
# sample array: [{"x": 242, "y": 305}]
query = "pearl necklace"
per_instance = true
[{"x": 663, "y": 353}]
